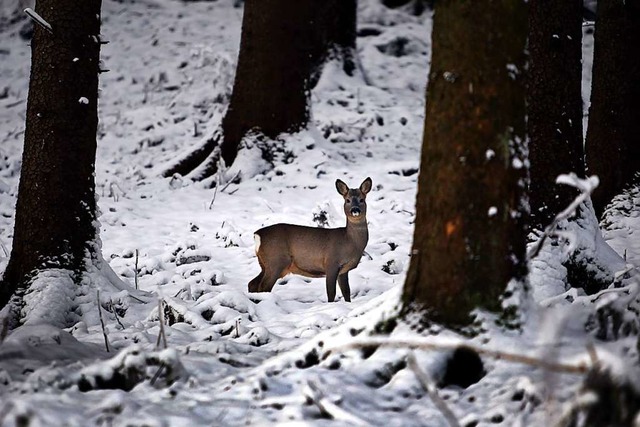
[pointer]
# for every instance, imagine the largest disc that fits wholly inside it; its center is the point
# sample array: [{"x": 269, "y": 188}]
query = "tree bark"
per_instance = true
[
  {"x": 283, "y": 47},
  {"x": 613, "y": 134},
  {"x": 554, "y": 108},
  {"x": 469, "y": 237},
  {"x": 56, "y": 207}
]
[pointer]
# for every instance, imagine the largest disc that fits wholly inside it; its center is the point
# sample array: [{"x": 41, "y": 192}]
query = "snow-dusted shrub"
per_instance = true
[{"x": 131, "y": 367}]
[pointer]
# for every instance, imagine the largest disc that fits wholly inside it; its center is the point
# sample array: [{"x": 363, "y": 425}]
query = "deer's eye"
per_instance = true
[
  {"x": 348, "y": 200},
  {"x": 361, "y": 200}
]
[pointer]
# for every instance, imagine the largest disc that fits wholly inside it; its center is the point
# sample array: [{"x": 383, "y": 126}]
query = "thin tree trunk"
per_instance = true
[
  {"x": 554, "y": 109},
  {"x": 613, "y": 134},
  {"x": 469, "y": 237},
  {"x": 56, "y": 208}
]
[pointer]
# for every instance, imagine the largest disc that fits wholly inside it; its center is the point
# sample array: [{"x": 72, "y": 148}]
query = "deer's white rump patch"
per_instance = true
[{"x": 256, "y": 238}]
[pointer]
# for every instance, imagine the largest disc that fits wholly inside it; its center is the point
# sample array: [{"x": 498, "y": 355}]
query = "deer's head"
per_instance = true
[{"x": 355, "y": 200}]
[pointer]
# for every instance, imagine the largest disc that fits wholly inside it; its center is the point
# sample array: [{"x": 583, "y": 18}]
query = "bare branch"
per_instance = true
[
  {"x": 586, "y": 187},
  {"x": 427, "y": 384},
  {"x": 453, "y": 345},
  {"x": 38, "y": 19}
]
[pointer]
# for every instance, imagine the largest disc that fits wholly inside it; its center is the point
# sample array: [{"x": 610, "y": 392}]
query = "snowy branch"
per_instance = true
[
  {"x": 586, "y": 187},
  {"x": 38, "y": 19}
]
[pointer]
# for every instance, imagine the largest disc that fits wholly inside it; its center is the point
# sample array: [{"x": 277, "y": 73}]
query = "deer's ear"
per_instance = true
[
  {"x": 365, "y": 187},
  {"x": 342, "y": 188}
]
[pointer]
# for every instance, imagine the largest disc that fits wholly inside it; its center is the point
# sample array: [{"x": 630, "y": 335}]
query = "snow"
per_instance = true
[{"x": 235, "y": 358}]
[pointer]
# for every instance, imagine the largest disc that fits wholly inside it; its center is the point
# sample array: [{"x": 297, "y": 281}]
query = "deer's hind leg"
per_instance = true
[
  {"x": 271, "y": 272},
  {"x": 254, "y": 285}
]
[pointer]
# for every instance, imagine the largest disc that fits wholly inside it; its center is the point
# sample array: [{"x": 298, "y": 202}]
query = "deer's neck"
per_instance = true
[{"x": 358, "y": 233}]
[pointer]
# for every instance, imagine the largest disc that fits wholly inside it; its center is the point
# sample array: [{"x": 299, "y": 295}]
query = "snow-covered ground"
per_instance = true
[{"x": 258, "y": 359}]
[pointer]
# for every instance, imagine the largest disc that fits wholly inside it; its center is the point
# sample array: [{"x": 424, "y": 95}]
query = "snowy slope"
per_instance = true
[{"x": 256, "y": 359}]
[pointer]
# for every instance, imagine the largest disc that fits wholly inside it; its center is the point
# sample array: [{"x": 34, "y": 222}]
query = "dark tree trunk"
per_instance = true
[
  {"x": 56, "y": 208},
  {"x": 283, "y": 47},
  {"x": 469, "y": 238},
  {"x": 613, "y": 134},
  {"x": 554, "y": 107}
]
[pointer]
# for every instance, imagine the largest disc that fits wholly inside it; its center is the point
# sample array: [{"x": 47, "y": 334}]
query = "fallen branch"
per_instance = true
[{"x": 444, "y": 346}]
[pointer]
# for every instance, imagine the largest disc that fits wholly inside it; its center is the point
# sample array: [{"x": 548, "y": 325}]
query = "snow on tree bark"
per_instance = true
[{"x": 469, "y": 237}]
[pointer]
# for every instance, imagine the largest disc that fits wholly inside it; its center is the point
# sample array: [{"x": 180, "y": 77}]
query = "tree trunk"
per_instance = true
[
  {"x": 469, "y": 238},
  {"x": 613, "y": 134},
  {"x": 56, "y": 208},
  {"x": 554, "y": 108},
  {"x": 283, "y": 47}
]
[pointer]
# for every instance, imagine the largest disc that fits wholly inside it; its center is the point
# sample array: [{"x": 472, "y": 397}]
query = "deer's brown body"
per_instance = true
[{"x": 315, "y": 252}]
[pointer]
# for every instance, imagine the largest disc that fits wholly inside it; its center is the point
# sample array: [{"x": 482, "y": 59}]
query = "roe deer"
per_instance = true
[{"x": 315, "y": 252}]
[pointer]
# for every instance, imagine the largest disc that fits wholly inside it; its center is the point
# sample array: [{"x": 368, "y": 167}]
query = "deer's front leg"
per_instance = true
[
  {"x": 343, "y": 281},
  {"x": 332, "y": 276}
]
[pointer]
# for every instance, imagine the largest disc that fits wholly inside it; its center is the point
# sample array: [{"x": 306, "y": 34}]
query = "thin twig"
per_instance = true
[
  {"x": 585, "y": 192},
  {"x": 313, "y": 393},
  {"x": 495, "y": 354},
  {"x": 4, "y": 249},
  {"x": 38, "y": 19},
  {"x": 215, "y": 193},
  {"x": 427, "y": 384},
  {"x": 238, "y": 320},
  {"x": 104, "y": 328},
  {"x": 157, "y": 374},
  {"x": 115, "y": 314},
  {"x": 230, "y": 181},
  {"x": 161, "y": 334},
  {"x": 135, "y": 277}
]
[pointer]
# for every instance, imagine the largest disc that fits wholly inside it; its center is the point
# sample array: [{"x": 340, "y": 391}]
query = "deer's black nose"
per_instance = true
[{"x": 355, "y": 211}]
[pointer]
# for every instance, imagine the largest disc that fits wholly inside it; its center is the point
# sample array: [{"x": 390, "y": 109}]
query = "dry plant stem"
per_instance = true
[
  {"x": 135, "y": 277},
  {"x": 495, "y": 354},
  {"x": 215, "y": 192},
  {"x": 104, "y": 328},
  {"x": 313, "y": 392},
  {"x": 230, "y": 181},
  {"x": 115, "y": 314},
  {"x": 161, "y": 334},
  {"x": 4, "y": 249},
  {"x": 157, "y": 374},
  {"x": 427, "y": 384}
]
